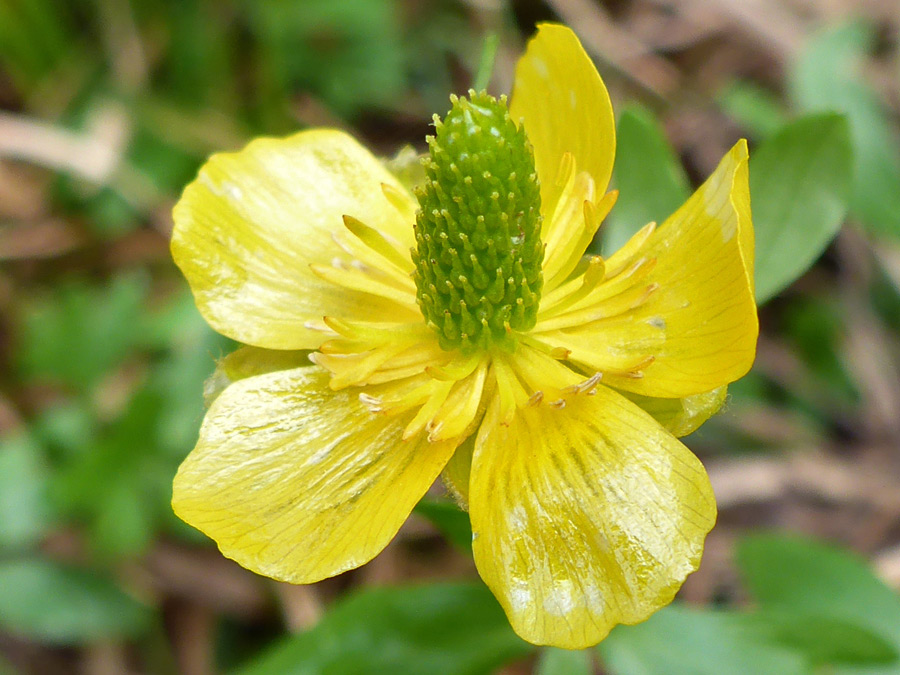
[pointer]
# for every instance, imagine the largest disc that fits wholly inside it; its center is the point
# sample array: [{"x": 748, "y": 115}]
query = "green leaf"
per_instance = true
[
  {"x": 800, "y": 189},
  {"x": 796, "y": 575},
  {"x": 452, "y": 629},
  {"x": 35, "y": 38},
  {"x": 192, "y": 351},
  {"x": 196, "y": 64},
  {"x": 80, "y": 333},
  {"x": 554, "y": 661},
  {"x": 826, "y": 640},
  {"x": 815, "y": 328},
  {"x": 756, "y": 109},
  {"x": 121, "y": 487},
  {"x": 451, "y": 520},
  {"x": 348, "y": 53},
  {"x": 67, "y": 429},
  {"x": 64, "y": 605},
  {"x": 24, "y": 511},
  {"x": 828, "y": 75},
  {"x": 681, "y": 640},
  {"x": 124, "y": 521},
  {"x": 648, "y": 174}
]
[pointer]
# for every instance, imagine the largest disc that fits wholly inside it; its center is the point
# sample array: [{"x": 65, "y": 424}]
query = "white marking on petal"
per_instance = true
[
  {"x": 594, "y": 597},
  {"x": 323, "y": 452},
  {"x": 234, "y": 191},
  {"x": 519, "y": 598},
  {"x": 560, "y": 600},
  {"x": 517, "y": 519}
]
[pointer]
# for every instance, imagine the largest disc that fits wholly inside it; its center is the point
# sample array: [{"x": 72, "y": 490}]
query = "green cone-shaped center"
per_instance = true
[{"x": 479, "y": 252}]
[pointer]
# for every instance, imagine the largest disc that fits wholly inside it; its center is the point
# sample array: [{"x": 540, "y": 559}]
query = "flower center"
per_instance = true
[{"x": 478, "y": 248}]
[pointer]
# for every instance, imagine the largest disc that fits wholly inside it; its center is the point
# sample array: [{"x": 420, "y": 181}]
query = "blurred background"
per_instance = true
[{"x": 108, "y": 108}]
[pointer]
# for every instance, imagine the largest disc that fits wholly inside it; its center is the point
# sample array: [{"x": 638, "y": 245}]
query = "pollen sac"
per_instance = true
[{"x": 478, "y": 248}]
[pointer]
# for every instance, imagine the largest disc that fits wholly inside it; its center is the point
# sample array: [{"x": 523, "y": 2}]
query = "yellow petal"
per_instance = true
[
  {"x": 298, "y": 482},
  {"x": 251, "y": 224},
  {"x": 691, "y": 325},
  {"x": 565, "y": 108},
  {"x": 682, "y": 416},
  {"x": 247, "y": 362},
  {"x": 585, "y": 517},
  {"x": 456, "y": 473}
]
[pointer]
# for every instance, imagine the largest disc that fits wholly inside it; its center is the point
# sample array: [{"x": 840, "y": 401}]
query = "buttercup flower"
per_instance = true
[{"x": 461, "y": 332}]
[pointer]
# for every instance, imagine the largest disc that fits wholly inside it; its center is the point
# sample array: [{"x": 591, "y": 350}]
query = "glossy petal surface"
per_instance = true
[
  {"x": 692, "y": 320},
  {"x": 682, "y": 416},
  {"x": 585, "y": 517},
  {"x": 298, "y": 482},
  {"x": 565, "y": 108},
  {"x": 248, "y": 362},
  {"x": 457, "y": 473},
  {"x": 251, "y": 224}
]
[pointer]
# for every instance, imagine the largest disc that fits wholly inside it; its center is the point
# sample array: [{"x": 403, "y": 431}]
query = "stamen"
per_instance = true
[
  {"x": 621, "y": 258},
  {"x": 566, "y": 169},
  {"x": 539, "y": 371},
  {"x": 609, "y": 308},
  {"x": 461, "y": 406},
  {"x": 563, "y": 297},
  {"x": 377, "y": 333},
  {"x": 559, "y": 353},
  {"x": 587, "y": 386},
  {"x": 372, "y": 263},
  {"x": 354, "y": 369},
  {"x": 318, "y": 325},
  {"x": 398, "y": 199},
  {"x": 638, "y": 372},
  {"x": 535, "y": 399},
  {"x": 352, "y": 279},
  {"x": 439, "y": 392},
  {"x": 593, "y": 214},
  {"x": 379, "y": 243},
  {"x": 510, "y": 392},
  {"x": 374, "y": 404},
  {"x": 454, "y": 370}
]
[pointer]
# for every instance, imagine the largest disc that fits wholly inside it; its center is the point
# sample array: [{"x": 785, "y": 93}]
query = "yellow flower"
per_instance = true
[{"x": 557, "y": 432}]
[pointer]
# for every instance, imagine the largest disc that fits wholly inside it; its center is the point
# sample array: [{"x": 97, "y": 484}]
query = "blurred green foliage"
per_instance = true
[
  {"x": 24, "y": 508},
  {"x": 800, "y": 185},
  {"x": 648, "y": 174},
  {"x": 828, "y": 76},
  {"x": 801, "y": 625},
  {"x": 66, "y": 605},
  {"x": 457, "y": 629},
  {"x": 553, "y": 661},
  {"x": 107, "y": 356},
  {"x": 819, "y": 610}
]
